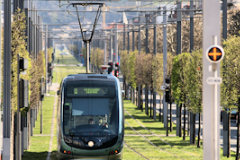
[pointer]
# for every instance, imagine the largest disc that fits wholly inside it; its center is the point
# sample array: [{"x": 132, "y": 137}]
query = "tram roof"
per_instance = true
[{"x": 84, "y": 76}]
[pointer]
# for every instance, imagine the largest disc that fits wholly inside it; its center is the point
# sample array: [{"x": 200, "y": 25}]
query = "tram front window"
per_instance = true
[{"x": 90, "y": 109}]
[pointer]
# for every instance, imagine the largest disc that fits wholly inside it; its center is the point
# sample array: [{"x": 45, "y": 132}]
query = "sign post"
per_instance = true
[{"x": 212, "y": 55}]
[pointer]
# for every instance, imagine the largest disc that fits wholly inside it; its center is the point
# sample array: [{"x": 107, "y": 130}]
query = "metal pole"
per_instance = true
[
  {"x": 35, "y": 33},
  {"x": 164, "y": 63},
  {"x": 128, "y": 39},
  {"x": 191, "y": 27},
  {"x": 139, "y": 36},
  {"x": 18, "y": 136},
  {"x": 155, "y": 53},
  {"x": 7, "y": 150},
  {"x": 21, "y": 4},
  {"x": 30, "y": 36},
  {"x": 41, "y": 37},
  {"x": 124, "y": 36},
  {"x": 38, "y": 34},
  {"x": 1, "y": 56},
  {"x": 15, "y": 5},
  {"x": 133, "y": 40},
  {"x": 88, "y": 52},
  {"x": 179, "y": 27},
  {"x": 111, "y": 46},
  {"x": 146, "y": 34},
  {"x": 116, "y": 44},
  {"x": 224, "y": 19},
  {"x": 154, "y": 39},
  {"x": 105, "y": 51},
  {"x": 211, "y": 96},
  {"x": 46, "y": 57}
]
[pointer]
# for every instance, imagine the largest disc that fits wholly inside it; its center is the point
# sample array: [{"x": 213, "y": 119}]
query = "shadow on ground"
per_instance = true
[{"x": 27, "y": 155}]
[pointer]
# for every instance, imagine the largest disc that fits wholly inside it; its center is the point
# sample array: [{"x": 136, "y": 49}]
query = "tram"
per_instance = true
[{"x": 91, "y": 119}]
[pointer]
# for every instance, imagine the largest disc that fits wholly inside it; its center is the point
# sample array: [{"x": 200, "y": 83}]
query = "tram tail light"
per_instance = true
[
  {"x": 114, "y": 152},
  {"x": 67, "y": 152}
]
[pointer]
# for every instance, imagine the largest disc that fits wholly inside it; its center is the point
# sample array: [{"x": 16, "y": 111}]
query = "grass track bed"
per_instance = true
[
  {"x": 62, "y": 71},
  {"x": 148, "y": 138}
]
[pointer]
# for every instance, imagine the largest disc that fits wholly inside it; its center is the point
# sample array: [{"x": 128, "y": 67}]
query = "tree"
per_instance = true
[
  {"x": 97, "y": 58},
  {"x": 194, "y": 94},
  {"x": 125, "y": 70},
  {"x": 179, "y": 89},
  {"x": 234, "y": 22},
  {"x": 230, "y": 89},
  {"x": 139, "y": 77}
]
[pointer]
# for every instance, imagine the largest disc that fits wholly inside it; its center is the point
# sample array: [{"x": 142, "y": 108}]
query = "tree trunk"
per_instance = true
[
  {"x": 179, "y": 120},
  {"x": 28, "y": 127},
  {"x": 226, "y": 133},
  {"x": 192, "y": 127},
  {"x": 167, "y": 120},
  {"x": 125, "y": 87},
  {"x": 188, "y": 122},
  {"x": 154, "y": 104},
  {"x": 146, "y": 99},
  {"x": 133, "y": 95},
  {"x": 129, "y": 92},
  {"x": 170, "y": 120},
  {"x": 238, "y": 130},
  {"x": 140, "y": 98},
  {"x": 150, "y": 101},
  {"x": 160, "y": 109},
  {"x": 139, "y": 95},
  {"x": 136, "y": 99},
  {"x": 199, "y": 130},
  {"x": 184, "y": 122}
]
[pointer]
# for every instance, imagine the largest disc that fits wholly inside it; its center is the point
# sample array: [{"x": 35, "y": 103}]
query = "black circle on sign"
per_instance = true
[{"x": 215, "y": 54}]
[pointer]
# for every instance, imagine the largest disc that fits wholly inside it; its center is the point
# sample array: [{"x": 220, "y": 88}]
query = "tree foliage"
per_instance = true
[
  {"x": 157, "y": 66},
  {"x": 186, "y": 80},
  {"x": 18, "y": 48},
  {"x": 37, "y": 72},
  {"x": 230, "y": 70},
  {"x": 177, "y": 79},
  {"x": 234, "y": 22},
  {"x": 128, "y": 63},
  {"x": 194, "y": 81},
  {"x": 97, "y": 57}
]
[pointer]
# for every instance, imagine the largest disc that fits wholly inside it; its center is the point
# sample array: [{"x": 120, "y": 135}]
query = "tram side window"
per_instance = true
[{"x": 67, "y": 116}]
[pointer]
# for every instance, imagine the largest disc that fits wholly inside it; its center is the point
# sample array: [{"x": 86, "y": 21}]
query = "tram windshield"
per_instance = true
[{"x": 90, "y": 108}]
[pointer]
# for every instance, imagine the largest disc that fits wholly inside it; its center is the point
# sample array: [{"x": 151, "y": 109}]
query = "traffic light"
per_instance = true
[
  {"x": 22, "y": 84},
  {"x": 23, "y": 93},
  {"x": 116, "y": 71},
  {"x": 110, "y": 68},
  {"x": 23, "y": 64},
  {"x": 42, "y": 88},
  {"x": 167, "y": 90},
  {"x": 49, "y": 69}
]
